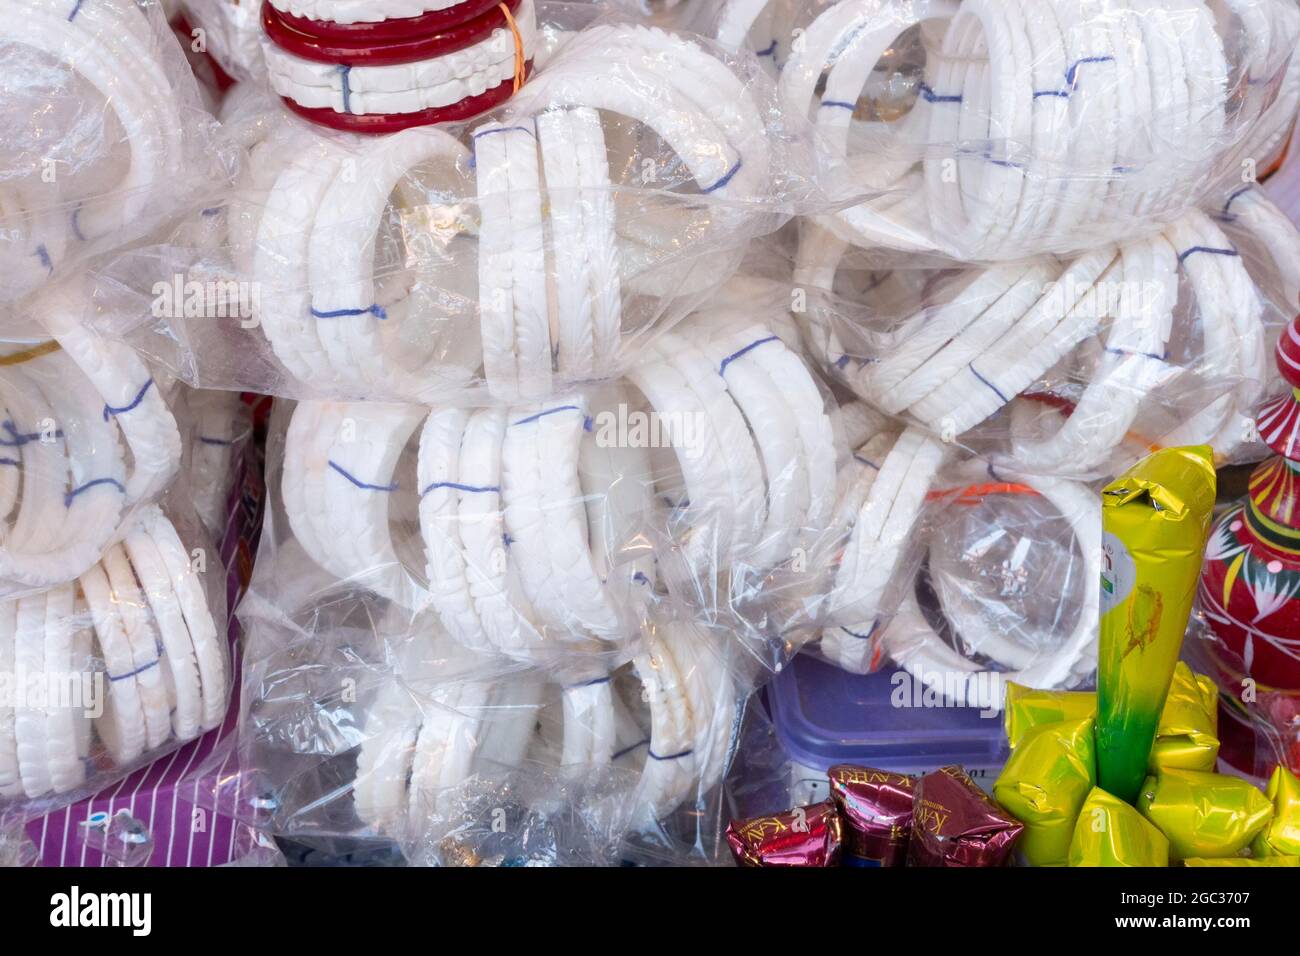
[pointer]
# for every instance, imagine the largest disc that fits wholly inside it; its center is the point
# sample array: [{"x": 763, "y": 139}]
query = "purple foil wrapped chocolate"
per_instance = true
[
  {"x": 955, "y": 823},
  {"x": 805, "y": 836},
  {"x": 876, "y": 811}
]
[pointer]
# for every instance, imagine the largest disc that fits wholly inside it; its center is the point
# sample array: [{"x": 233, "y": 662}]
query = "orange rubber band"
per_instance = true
[
  {"x": 519, "y": 47},
  {"x": 27, "y": 355}
]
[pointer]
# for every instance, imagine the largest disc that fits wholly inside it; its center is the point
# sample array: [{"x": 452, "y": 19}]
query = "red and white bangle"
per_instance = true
[{"x": 382, "y": 74}]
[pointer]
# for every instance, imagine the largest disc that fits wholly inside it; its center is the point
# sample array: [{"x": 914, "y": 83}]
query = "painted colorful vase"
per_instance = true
[{"x": 1250, "y": 584}]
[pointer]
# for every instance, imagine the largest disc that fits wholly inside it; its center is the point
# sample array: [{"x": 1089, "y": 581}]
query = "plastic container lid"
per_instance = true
[{"x": 824, "y": 716}]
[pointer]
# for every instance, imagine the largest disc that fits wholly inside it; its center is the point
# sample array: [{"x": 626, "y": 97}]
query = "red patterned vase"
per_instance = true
[{"x": 1250, "y": 585}]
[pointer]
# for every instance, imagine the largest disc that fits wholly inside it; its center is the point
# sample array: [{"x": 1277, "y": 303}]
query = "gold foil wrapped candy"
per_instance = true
[
  {"x": 1188, "y": 734},
  {"x": 1111, "y": 833},
  {"x": 1027, "y": 708},
  {"x": 1281, "y": 838},
  {"x": 1186, "y": 737},
  {"x": 1043, "y": 785},
  {"x": 1204, "y": 814}
]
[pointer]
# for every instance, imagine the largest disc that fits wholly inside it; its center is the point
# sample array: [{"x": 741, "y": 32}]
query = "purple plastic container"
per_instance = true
[{"x": 824, "y": 716}]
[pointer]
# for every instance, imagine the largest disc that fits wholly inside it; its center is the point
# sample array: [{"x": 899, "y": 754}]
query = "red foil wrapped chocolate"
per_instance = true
[
  {"x": 955, "y": 823},
  {"x": 805, "y": 836},
  {"x": 876, "y": 811}
]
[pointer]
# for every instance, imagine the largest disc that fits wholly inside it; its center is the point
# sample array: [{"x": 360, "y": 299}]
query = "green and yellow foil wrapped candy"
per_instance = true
[
  {"x": 1027, "y": 708},
  {"x": 1281, "y": 838},
  {"x": 1044, "y": 784},
  {"x": 1109, "y": 832},
  {"x": 1155, "y": 523},
  {"x": 1204, "y": 814},
  {"x": 1186, "y": 736}
]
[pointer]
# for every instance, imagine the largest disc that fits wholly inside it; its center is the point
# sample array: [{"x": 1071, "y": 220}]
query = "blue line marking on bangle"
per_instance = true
[
  {"x": 860, "y": 636},
  {"x": 43, "y": 254},
  {"x": 75, "y": 10},
  {"x": 677, "y": 756},
  {"x": 500, "y": 129},
  {"x": 725, "y": 179},
  {"x": 19, "y": 439},
  {"x": 867, "y": 461},
  {"x": 457, "y": 486},
  {"x": 76, "y": 225},
  {"x": 640, "y": 578},
  {"x": 740, "y": 353},
  {"x": 770, "y": 51},
  {"x": 549, "y": 411},
  {"x": 345, "y": 78},
  {"x": 377, "y": 311},
  {"x": 507, "y": 540},
  {"x": 72, "y": 495},
  {"x": 840, "y": 104},
  {"x": 1227, "y": 206},
  {"x": 223, "y": 442},
  {"x": 1209, "y": 250},
  {"x": 358, "y": 482},
  {"x": 1150, "y": 355},
  {"x": 594, "y": 682},
  {"x": 627, "y": 750},
  {"x": 111, "y": 412},
  {"x": 10, "y": 461},
  {"x": 139, "y": 670},
  {"x": 1072, "y": 73},
  {"x": 988, "y": 383},
  {"x": 930, "y": 96},
  {"x": 1063, "y": 94}
]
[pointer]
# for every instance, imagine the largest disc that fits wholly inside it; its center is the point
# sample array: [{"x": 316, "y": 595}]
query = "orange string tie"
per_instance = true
[{"x": 519, "y": 47}]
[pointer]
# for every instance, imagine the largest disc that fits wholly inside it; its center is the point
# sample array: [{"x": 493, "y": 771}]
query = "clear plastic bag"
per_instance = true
[
  {"x": 533, "y": 250},
  {"x": 1074, "y": 367},
  {"x": 104, "y": 674},
  {"x": 105, "y": 136},
  {"x": 89, "y": 438},
  {"x": 992, "y": 131}
]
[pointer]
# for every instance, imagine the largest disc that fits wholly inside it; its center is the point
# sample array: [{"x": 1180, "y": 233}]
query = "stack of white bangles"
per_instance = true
[
  {"x": 143, "y": 612},
  {"x": 417, "y": 754},
  {"x": 388, "y": 66},
  {"x": 752, "y": 444},
  {"x": 551, "y": 261},
  {"x": 995, "y": 332},
  {"x": 112, "y": 45},
  {"x": 86, "y": 435},
  {"x": 522, "y": 512},
  {"x": 1062, "y": 126}
]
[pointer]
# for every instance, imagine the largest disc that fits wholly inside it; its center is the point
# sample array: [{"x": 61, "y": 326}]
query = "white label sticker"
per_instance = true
[{"x": 1118, "y": 572}]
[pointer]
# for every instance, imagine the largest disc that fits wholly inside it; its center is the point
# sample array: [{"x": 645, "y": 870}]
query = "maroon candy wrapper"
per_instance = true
[
  {"x": 955, "y": 823},
  {"x": 805, "y": 836},
  {"x": 876, "y": 811}
]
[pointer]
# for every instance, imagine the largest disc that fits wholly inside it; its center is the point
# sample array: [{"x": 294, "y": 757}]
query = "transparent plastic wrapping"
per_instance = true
[
  {"x": 104, "y": 674},
  {"x": 1074, "y": 367},
  {"x": 987, "y": 130},
  {"x": 88, "y": 439},
  {"x": 230, "y": 32},
  {"x": 104, "y": 132},
  {"x": 216, "y": 426},
  {"x": 533, "y": 250}
]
